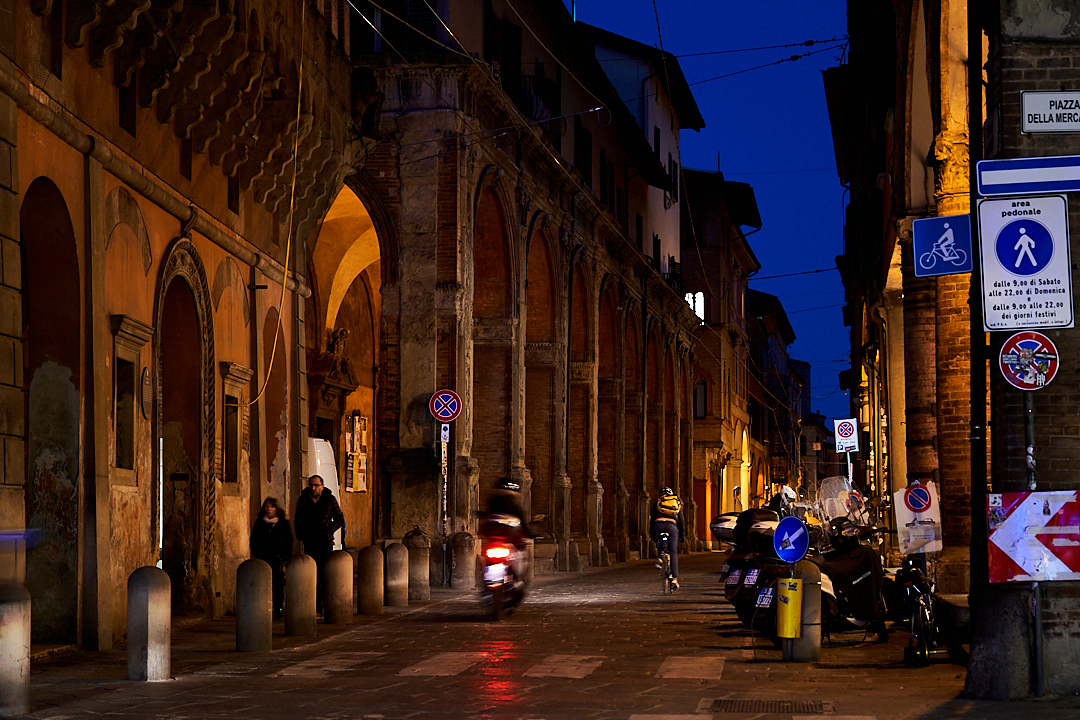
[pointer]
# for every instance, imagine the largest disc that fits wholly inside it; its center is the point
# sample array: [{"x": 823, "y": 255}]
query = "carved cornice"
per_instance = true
[{"x": 130, "y": 333}]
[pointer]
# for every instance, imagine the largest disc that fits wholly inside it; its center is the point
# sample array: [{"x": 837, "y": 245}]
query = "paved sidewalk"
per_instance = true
[{"x": 602, "y": 644}]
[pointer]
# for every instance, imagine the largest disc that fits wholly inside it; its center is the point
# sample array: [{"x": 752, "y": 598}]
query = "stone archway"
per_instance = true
[
  {"x": 185, "y": 489},
  {"x": 52, "y": 376}
]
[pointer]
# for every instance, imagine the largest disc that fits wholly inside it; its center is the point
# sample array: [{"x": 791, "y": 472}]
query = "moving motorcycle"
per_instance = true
[{"x": 505, "y": 560}]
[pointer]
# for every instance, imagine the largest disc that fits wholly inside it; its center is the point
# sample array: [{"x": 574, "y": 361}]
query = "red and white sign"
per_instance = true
[
  {"x": 917, "y": 498},
  {"x": 847, "y": 439},
  {"x": 918, "y": 519},
  {"x": 1028, "y": 360},
  {"x": 1034, "y": 536},
  {"x": 445, "y": 406}
]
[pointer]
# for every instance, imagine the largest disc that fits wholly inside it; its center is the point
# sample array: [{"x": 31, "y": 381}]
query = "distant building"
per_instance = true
[{"x": 717, "y": 263}]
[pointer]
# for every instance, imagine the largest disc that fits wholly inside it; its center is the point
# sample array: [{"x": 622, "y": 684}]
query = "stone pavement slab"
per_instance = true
[{"x": 602, "y": 644}]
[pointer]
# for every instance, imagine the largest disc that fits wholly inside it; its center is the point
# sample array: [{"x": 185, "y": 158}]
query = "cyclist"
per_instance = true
[{"x": 667, "y": 516}]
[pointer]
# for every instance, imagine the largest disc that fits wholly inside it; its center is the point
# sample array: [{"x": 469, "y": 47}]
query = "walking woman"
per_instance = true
[{"x": 272, "y": 541}]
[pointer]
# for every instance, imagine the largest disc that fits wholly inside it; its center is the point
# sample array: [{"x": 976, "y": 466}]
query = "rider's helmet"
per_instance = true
[
  {"x": 665, "y": 491},
  {"x": 506, "y": 483}
]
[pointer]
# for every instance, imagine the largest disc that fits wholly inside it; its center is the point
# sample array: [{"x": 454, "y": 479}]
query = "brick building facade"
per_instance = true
[
  {"x": 228, "y": 228},
  {"x": 902, "y": 141}
]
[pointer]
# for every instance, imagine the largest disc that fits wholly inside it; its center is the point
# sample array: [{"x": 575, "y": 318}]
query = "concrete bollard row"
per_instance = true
[
  {"x": 254, "y": 606},
  {"x": 396, "y": 578},
  {"x": 462, "y": 576},
  {"x": 370, "y": 569},
  {"x": 419, "y": 547},
  {"x": 300, "y": 588},
  {"x": 149, "y": 625},
  {"x": 338, "y": 608},
  {"x": 14, "y": 649}
]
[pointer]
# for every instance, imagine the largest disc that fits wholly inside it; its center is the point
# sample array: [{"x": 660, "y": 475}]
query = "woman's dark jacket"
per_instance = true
[{"x": 272, "y": 542}]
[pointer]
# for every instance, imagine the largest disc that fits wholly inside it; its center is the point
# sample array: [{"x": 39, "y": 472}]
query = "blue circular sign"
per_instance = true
[
  {"x": 917, "y": 498},
  {"x": 791, "y": 540},
  {"x": 1024, "y": 247},
  {"x": 445, "y": 405}
]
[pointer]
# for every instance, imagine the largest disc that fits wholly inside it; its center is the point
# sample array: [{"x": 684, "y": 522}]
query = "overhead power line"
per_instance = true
[{"x": 805, "y": 272}]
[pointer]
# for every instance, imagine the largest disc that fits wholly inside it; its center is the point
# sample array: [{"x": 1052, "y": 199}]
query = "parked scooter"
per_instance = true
[
  {"x": 506, "y": 564},
  {"x": 852, "y": 576}
]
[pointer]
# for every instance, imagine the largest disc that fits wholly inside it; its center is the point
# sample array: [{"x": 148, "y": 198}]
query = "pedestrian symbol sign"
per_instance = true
[
  {"x": 1025, "y": 263},
  {"x": 1029, "y": 242},
  {"x": 942, "y": 245}
]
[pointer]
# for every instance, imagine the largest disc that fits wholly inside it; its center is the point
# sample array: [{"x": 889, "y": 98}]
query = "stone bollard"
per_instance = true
[
  {"x": 370, "y": 568},
  {"x": 14, "y": 649},
  {"x": 808, "y": 647},
  {"x": 149, "y": 624},
  {"x": 396, "y": 578},
  {"x": 463, "y": 576},
  {"x": 300, "y": 575},
  {"x": 254, "y": 606},
  {"x": 338, "y": 608},
  {"x": 419, "y": 546}
]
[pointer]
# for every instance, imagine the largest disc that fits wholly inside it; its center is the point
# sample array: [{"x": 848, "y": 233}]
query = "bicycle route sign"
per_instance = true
[
  {"x": 445, "y": 406},
  {"x": 942, "y": 245},
  {"x": 1028, "y": 360},
  {"x": 1033, "y": 536},
  {"x": 1025, "y": 263},
  {"x": 791, "y": 540}
]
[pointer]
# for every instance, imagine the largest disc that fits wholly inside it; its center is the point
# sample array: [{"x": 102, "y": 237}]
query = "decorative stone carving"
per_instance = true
[
  {"x": 950, "y": 153},
  {"x": 183, "y": 261}
]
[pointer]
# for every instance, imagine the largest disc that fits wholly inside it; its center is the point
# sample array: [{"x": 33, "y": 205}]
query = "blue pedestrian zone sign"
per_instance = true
[
  {"x": 791, "y": 540},
  {"x": 942, "y": 245}
]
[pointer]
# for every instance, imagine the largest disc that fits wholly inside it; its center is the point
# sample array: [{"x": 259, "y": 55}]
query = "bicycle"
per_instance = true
[{"x": 664, "y": 559}]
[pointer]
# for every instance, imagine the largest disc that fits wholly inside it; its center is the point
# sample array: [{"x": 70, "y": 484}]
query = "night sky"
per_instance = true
[{"x": 768, "y": 127}]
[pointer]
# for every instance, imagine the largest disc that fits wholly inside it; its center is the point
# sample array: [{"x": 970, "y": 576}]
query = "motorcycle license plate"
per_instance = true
[
  {"x": 734, "y": 576},
  {"x": 764, "y": 598},
  {"x": 752, "y": 576},
  {"x": 495, "y": 573}
]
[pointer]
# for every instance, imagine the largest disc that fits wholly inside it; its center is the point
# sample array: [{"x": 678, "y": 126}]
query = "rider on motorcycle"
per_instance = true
[
  {"x": 667, "y": 516},
  {"x": 505, "y": 516}
]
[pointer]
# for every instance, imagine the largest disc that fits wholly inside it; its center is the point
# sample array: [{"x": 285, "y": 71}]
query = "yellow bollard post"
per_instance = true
[{"x": 789, "y": 608}]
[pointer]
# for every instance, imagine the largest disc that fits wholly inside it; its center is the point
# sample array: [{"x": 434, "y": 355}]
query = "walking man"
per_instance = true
[{"x": 318, "y": 516}]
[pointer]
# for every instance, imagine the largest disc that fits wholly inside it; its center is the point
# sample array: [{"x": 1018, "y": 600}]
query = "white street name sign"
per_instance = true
[{"x": 1050, "y": 112}]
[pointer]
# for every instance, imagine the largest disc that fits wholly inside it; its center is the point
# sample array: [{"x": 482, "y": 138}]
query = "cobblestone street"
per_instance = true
[{"x": 601, "y": 644}]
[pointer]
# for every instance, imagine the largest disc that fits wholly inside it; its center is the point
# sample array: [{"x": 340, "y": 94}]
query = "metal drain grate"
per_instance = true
[{"x": 768, "y": 706}]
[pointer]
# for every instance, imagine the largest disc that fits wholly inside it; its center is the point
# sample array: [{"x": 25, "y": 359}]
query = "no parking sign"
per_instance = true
[
  {"x": 847, "y": 439},
  {"x": 918, "y": 518}
]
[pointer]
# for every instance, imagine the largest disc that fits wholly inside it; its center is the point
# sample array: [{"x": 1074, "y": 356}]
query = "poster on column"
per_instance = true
[{"x": 918, "y": 518}]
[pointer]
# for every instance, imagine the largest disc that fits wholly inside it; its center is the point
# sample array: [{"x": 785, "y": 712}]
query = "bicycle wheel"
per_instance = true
[
  {"x": 961, "y": 258},
  {"x": 928, "y": 260},
  {"x": 665, "y": 571}
]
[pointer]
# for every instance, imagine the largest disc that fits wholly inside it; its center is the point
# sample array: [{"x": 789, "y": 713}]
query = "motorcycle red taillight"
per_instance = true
[{"x": 497, "y": 552}]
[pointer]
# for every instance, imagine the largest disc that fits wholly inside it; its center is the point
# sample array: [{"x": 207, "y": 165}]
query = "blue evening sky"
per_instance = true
[{"x": 770, "y": 128}]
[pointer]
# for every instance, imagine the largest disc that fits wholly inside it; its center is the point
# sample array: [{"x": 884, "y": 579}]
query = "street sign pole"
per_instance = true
[
  {"x": 445, "y": 406},
  {"x": 444, "y": 463}
]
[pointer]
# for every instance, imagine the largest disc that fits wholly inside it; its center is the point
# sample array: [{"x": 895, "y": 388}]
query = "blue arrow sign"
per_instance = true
[
  {"x": 791, "y": 540},
  {"x": 1029, "y": 176}
]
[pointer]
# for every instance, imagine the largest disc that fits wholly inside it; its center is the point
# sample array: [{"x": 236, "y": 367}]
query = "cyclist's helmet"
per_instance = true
[
  {"x": 508, "y": 484},
  {"x": 664, "y": 491}
]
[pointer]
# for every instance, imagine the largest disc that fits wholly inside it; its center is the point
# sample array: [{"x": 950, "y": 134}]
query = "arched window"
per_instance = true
[{"x": 696, "y": 301}]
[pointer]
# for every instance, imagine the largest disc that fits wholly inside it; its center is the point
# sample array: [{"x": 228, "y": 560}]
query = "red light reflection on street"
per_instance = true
[{"x": 499, "y": 687}]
